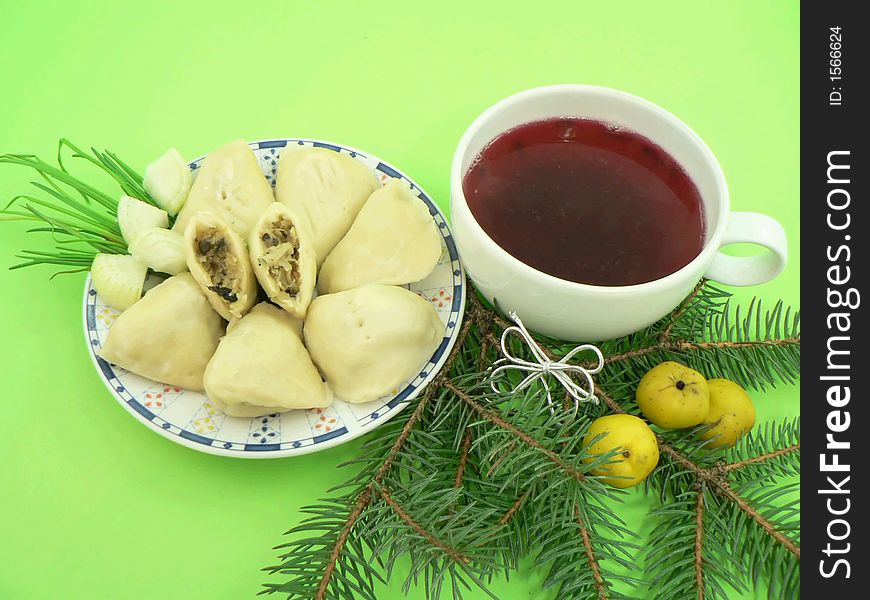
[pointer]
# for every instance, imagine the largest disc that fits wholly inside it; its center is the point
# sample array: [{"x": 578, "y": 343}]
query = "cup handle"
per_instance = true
[{"x": 753, "y": 228}]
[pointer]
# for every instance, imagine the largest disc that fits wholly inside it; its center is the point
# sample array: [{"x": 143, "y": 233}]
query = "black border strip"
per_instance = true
[{"x": 833, "y": 229}]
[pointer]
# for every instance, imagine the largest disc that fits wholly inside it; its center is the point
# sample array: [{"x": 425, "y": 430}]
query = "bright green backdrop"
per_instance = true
[{"x": 92, "y": 504}]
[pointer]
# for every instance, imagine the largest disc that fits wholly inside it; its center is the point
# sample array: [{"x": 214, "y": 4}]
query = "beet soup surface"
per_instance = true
[{"x": 586, "y": 201}]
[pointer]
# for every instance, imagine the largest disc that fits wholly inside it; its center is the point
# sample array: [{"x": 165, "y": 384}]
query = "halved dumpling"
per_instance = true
[
  {"x": 168, "y": 336},
  {"x": 261, "y": 367},
  {"x": 218, "y": 260},
  {"x": 283, "y": 259},
  {"x": 393, "y": 240}
]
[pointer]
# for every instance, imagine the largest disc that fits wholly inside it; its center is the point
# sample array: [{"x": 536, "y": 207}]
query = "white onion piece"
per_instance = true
[
  {"x": 160, "y": 249},
  {"x": 118, "y": 279},
  {"x": 168, "y": 180},
  {"x": 135, "y": 216}
]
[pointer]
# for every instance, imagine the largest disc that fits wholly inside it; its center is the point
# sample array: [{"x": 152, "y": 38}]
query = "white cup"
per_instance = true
[{"x": 577, "y": 311}]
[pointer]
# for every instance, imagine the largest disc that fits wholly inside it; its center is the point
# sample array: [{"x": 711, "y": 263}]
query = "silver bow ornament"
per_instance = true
[{"x": 544, "y": 368}]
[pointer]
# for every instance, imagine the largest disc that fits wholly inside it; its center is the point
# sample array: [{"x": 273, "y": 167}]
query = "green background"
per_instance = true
[{"x": 92, "y": 504}]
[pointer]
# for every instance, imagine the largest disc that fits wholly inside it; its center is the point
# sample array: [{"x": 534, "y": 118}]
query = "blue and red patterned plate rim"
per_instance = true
[{"x": 384, "y": 410}]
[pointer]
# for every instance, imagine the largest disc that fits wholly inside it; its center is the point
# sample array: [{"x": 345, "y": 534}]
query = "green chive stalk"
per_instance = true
[{"x": 82, "y": 220}]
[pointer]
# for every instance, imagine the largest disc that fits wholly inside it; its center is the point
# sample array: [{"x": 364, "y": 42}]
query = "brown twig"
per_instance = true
[
  {"x": 680, "y": 346},
  {"x": 514, "y": 508},
  {"x": 501, "y": 321},
  {"x": 493, "y": 340},
  {"x": 409, "y": 520},
  {"x": 684, "y": 346},
  {"x": 600, "y": 588},
  {"x": 363, "y": 500},
  {"x": 680, "y": 310},
  {"x": 501, "y": 459},
  {"x": 757, "y": 459},
  {"x": 484, "y": 349},
  {"x": 484, "y": 319},
  {"x": 524, "y": 437},
  {"x": 699, "y": 540},
  {"x": 610, "y": 402},
  {"x": 457, "y": 348},
  {"x": 463, "y": 458}
]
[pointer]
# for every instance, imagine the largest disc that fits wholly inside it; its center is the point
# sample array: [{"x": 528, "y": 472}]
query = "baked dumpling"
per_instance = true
[
  {"x": 231, "y": 185},
  {"x": 218, "y": 260},
  {"x": 168, "y": 336},
  {"x": 326, "y": 189},
  {"x": 283, "y": 259},
  {"x": 369, "y": 340},
  {"x": 261, "y": 367},
  {"x": 393, "y": 240}
]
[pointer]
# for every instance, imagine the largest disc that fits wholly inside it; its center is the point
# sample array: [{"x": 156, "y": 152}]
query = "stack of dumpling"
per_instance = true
[{"x": 332, "y": 228}]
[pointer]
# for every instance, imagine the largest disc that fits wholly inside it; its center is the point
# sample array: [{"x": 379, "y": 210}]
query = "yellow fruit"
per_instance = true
[
  {"x": 673, "y": 396},
  {"x": 731, "y": 413},
  {"x": 640, "y": 451}
]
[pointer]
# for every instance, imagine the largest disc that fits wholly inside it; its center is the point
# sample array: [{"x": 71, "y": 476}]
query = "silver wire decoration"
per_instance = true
[{"x": 544, "y": 368}]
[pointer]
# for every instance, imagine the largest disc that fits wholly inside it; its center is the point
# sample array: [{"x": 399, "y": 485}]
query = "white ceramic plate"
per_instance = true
[{"x": 190, "y": 419}]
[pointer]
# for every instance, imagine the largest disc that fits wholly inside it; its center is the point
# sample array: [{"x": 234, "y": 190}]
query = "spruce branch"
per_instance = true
[
  {"x": 471, "y": 481},
  {"x": 766, "y": 454},
  {"x": 714, "y": 478}
]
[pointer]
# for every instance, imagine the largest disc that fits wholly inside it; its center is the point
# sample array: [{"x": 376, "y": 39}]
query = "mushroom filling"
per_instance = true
[
  {"x": 281, "y": 256},
  {"x": 221, "y": 265}
]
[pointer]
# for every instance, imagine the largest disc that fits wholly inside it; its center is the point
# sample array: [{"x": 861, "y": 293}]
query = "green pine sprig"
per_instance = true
[{"x": 466, "y": 483}]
